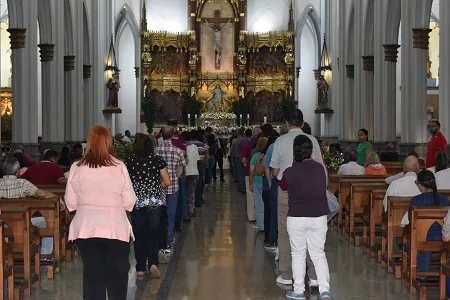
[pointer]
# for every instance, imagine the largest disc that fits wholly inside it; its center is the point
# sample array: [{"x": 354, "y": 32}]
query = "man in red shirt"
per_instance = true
[
  {"x": 47, "y": 171},
  {"x": 437, "y": 143}
]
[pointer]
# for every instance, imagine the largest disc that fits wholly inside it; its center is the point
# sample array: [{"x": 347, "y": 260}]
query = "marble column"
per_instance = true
[
  {"x": 444, "y": 70},
  {"x": 348, "y": 109},
  {"x": 367, "y": 99},
  {"x": 88, "y": 113},
  {"x": 24, "y": 84},
  {"x": 77, "y": 84},
  {"x": 359, "y": 96},
  {"x": 389, "y": 94},
  {"x": 137, "y": 73},
  {"x": 69, "y": 97}
]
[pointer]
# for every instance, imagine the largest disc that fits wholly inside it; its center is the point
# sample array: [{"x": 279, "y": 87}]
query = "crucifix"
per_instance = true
[{"x": 217, "y": 24}]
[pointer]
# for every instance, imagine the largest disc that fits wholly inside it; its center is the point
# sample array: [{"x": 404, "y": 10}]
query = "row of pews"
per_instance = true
[
  {"x": 363, "y": 222},
  {"x": 20, "y": 241}
]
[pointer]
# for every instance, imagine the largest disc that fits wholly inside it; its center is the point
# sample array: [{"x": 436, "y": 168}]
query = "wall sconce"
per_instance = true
[
  {"x": 325, "y": 61},
  {"x": 111, "y": 62}
]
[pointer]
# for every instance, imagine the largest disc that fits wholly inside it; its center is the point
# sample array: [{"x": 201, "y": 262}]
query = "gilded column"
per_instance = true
[{"x": 389, "y": 133}]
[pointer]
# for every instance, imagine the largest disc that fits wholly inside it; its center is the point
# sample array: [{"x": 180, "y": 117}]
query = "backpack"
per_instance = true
[{"x": 260, "y": 169}]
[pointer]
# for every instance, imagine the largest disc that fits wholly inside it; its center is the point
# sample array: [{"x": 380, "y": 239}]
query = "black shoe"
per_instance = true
[{"x": 186, "y": 220}]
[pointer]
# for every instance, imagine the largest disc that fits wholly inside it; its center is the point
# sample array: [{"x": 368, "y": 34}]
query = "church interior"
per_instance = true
[{"x": 133, "y": 65}]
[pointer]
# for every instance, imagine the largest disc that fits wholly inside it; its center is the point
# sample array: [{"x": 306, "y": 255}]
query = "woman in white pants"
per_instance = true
[{"x": 307, "y": 226}]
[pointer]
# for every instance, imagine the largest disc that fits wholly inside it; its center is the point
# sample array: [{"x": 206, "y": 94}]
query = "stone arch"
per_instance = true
[
  {"x": 351, "y": 35},
  {"x": 45, "y": 19},
  {"x": 86, "y": 37},
  {"x": 126, "y": 17},
  {"x": 68, "y": 28},
  {"x": 393, "y": 19},
  {"x": 231, "y": 2},
  {"x": 15, "y": 12},
  {"x": 369, "y": 29},
  {"x": 309, "y": 13},
  {"x": 423, "y": 13}
]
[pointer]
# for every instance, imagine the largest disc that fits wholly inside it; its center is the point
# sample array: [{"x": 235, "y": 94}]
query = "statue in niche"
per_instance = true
[
  {"x": 217, "y": 99},
  {"x": 113, "y": 85},
  {"x": 429, "y": 63},
  {"x": 323, "y": 87},
  {"x": 217, "y": 24}
]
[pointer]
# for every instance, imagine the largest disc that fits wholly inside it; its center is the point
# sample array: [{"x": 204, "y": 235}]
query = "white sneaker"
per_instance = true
[
  {"x": 313, "y": 283},
  {"x": 280, "y": 280},
  {"x": 277, "y": 251}
]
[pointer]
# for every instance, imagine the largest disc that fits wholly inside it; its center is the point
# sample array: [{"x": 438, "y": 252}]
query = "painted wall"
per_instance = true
[
  {"x": 307, "y": 85},
  {"x": 267, "y": 15},
  {"x": 127, "y": 92},
  {"x": 168, "y": 15}
]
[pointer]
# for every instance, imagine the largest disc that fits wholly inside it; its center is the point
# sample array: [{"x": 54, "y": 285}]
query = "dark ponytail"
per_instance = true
[{"x": 427, "y": 180}]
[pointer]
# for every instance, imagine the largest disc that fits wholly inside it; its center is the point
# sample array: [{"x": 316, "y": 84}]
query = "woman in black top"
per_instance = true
[{"x": 149, "y": 175}]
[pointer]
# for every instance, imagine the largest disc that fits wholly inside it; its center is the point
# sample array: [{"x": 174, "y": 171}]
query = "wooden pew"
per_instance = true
[
  {"x": 356, "y": 202},
  {"x": 50, "y": 209},
  {"x": 445, "y": 270},
  {"x": 25, "y": 242},
  {"x": 344, "y": 191},
  {"x": 373, "y": 217},
  {"x": 333, "y": 181},
  {"x": 415, "y": 240},
  {"x": 6, "y": 266},
  {"x": 393, "y": 168}
]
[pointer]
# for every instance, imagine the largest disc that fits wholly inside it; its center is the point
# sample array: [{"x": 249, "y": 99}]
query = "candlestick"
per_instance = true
[{"x": 265, "y": 120}]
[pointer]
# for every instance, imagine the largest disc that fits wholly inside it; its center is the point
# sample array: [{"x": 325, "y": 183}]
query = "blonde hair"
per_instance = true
[
  {"x": 261, "y": 144},
  {"x": 373, "y": 159}
]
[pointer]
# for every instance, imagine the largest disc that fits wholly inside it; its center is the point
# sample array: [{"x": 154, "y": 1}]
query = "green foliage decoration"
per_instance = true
[{"x": 148, "y": 106}]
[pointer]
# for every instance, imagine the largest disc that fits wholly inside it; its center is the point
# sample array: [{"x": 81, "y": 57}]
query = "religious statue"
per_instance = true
[
  {"x": 217, "y": 29},
  {"x": 323, "y": 87},
  {"x": 113, "y": 85},
  {"x": 429, "y": 74},
  {"x": 216, "y": 98}
]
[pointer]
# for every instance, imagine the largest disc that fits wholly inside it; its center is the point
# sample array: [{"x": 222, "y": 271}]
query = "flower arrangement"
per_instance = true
[
  {"x": 122, "y": 149},
  {"x": 218, "y": 116},
  {"x": 332, "y": 161}
]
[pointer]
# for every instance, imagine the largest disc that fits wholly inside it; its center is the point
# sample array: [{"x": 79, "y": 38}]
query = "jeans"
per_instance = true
[
  {"x": 273, "y": 232},
  {"x": 241, "y": 169},
  {"x": 171, "y": 202},
  {"x": 182, "y": 206},
  {"x": 145, "y": 222},
  {"x": 191, "y": 181},
  {"x": 163, "y": 225},
  {"x": 219, "y": 163},
  {"x": 308, "y": 234},
  {"x": 230, "y": 163},
  {"x": 250, "y": 201},
  {"x": 209, "y": 170},
  {"x": 266, "y": 200},
  {"x": 200, "y": 184},
  {"x": 105, "y": 268},
  {"x": 259, "y": 205}
]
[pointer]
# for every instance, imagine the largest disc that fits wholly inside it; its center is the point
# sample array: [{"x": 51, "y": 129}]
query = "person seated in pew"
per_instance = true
[
  {"x": 374, "y": 166},
  {"x": 12, "y": 187},
  {"x": 22, "y": 162},
  {"x": 441, "y": 162},
  {"x": 442, "y": 171},
  {"x": 405, "y": 186},
  {"x": 352, "y": 167},
  {"x": 47, "y": 171},
  {"x": 390, "y": 155},
  {"x": 429, "y": 196}
]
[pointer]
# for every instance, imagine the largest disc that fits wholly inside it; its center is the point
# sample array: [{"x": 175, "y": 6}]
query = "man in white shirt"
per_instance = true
[
  {"x": 405, "y": 186},
  {"x": 282, "y": 158},
  {"x": 443, "y": 179},
  {"x": 351, "y": 168}
]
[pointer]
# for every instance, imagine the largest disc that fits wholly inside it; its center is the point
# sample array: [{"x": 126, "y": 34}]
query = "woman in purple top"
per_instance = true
[{"x": 307, "y": 226}]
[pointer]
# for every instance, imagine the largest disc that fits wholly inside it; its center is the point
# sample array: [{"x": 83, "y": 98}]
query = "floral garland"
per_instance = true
[{"x": 218, "y": 116}]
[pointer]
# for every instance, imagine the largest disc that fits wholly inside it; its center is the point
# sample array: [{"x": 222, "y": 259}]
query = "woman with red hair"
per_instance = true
[{"x": 100, "y": 190}]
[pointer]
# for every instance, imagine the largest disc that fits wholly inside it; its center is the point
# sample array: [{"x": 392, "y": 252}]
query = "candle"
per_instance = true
[
  {"x": 189, "y": 116},
  {"x": 248, "y": 116},
  {"x": 240, "y": 116},
  {"x": 196, "y": 116},
  {"x": 265, "y": 119}
]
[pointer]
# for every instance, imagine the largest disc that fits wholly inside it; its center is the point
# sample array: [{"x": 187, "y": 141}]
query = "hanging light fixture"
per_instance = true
[
  {"x": 111, "y": 64},
  {"x": 325, "y": 61}
]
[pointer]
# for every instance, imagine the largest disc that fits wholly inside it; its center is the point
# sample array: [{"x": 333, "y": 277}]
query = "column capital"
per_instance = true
[
  {"x": 420, "y": 38},
  {"x": 391, "y": 52},
  {"x": 136, "y": 72},
  {"x": 17, "y": 37},
  {"x": 87, "y": 71},
  {"x": 368, "y": 63},
  {"x": 316, "y": 74},
  {"x": 350, "y": 69},
  {"x": 69, "y": 63},
  {"x": 47, "y": 52}
]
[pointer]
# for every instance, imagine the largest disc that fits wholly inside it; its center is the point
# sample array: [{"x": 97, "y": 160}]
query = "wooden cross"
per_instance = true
[{"x": 217, "y": 20}]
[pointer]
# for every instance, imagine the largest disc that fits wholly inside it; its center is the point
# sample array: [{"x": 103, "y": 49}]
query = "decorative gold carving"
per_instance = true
[
  {"x": 166, "y": 83},
  {"x": 17, "y": 36},
  {"x": 350, "y": 70},
  {"x": 420, "y": 38},
  {"x": 163, "y": 40},
  {"x": 267, "y": 83},
  {"x": 368, "y": 63},
  {"x": 47, "y": 52},
  {"x": 272, "y": 40},
  {"x": 69, "y": 63},
  {"x": 6, "y": 106},
  {"x": 87, "y": 71},
  {"x": 391, "y": 52}
]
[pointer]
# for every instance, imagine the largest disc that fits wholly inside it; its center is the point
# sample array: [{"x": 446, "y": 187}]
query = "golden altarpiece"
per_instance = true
[{"x": 218, "y": 62}]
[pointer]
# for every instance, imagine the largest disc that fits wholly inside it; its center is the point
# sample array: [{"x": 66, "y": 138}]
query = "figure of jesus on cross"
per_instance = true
[{"x": 217, "y": 24}]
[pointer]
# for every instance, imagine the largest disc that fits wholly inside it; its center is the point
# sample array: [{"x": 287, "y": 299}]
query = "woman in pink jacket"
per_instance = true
[{"x": 100, "y": 190}]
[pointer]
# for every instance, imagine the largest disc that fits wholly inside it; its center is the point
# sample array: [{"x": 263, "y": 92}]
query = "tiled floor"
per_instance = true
[{"x": 219, "y": 256}]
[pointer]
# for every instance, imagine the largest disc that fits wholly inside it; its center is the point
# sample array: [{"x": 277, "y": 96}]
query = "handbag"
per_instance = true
[
  {"x": 260, "y": 169},
  {"x": 333, "y": 205}
]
